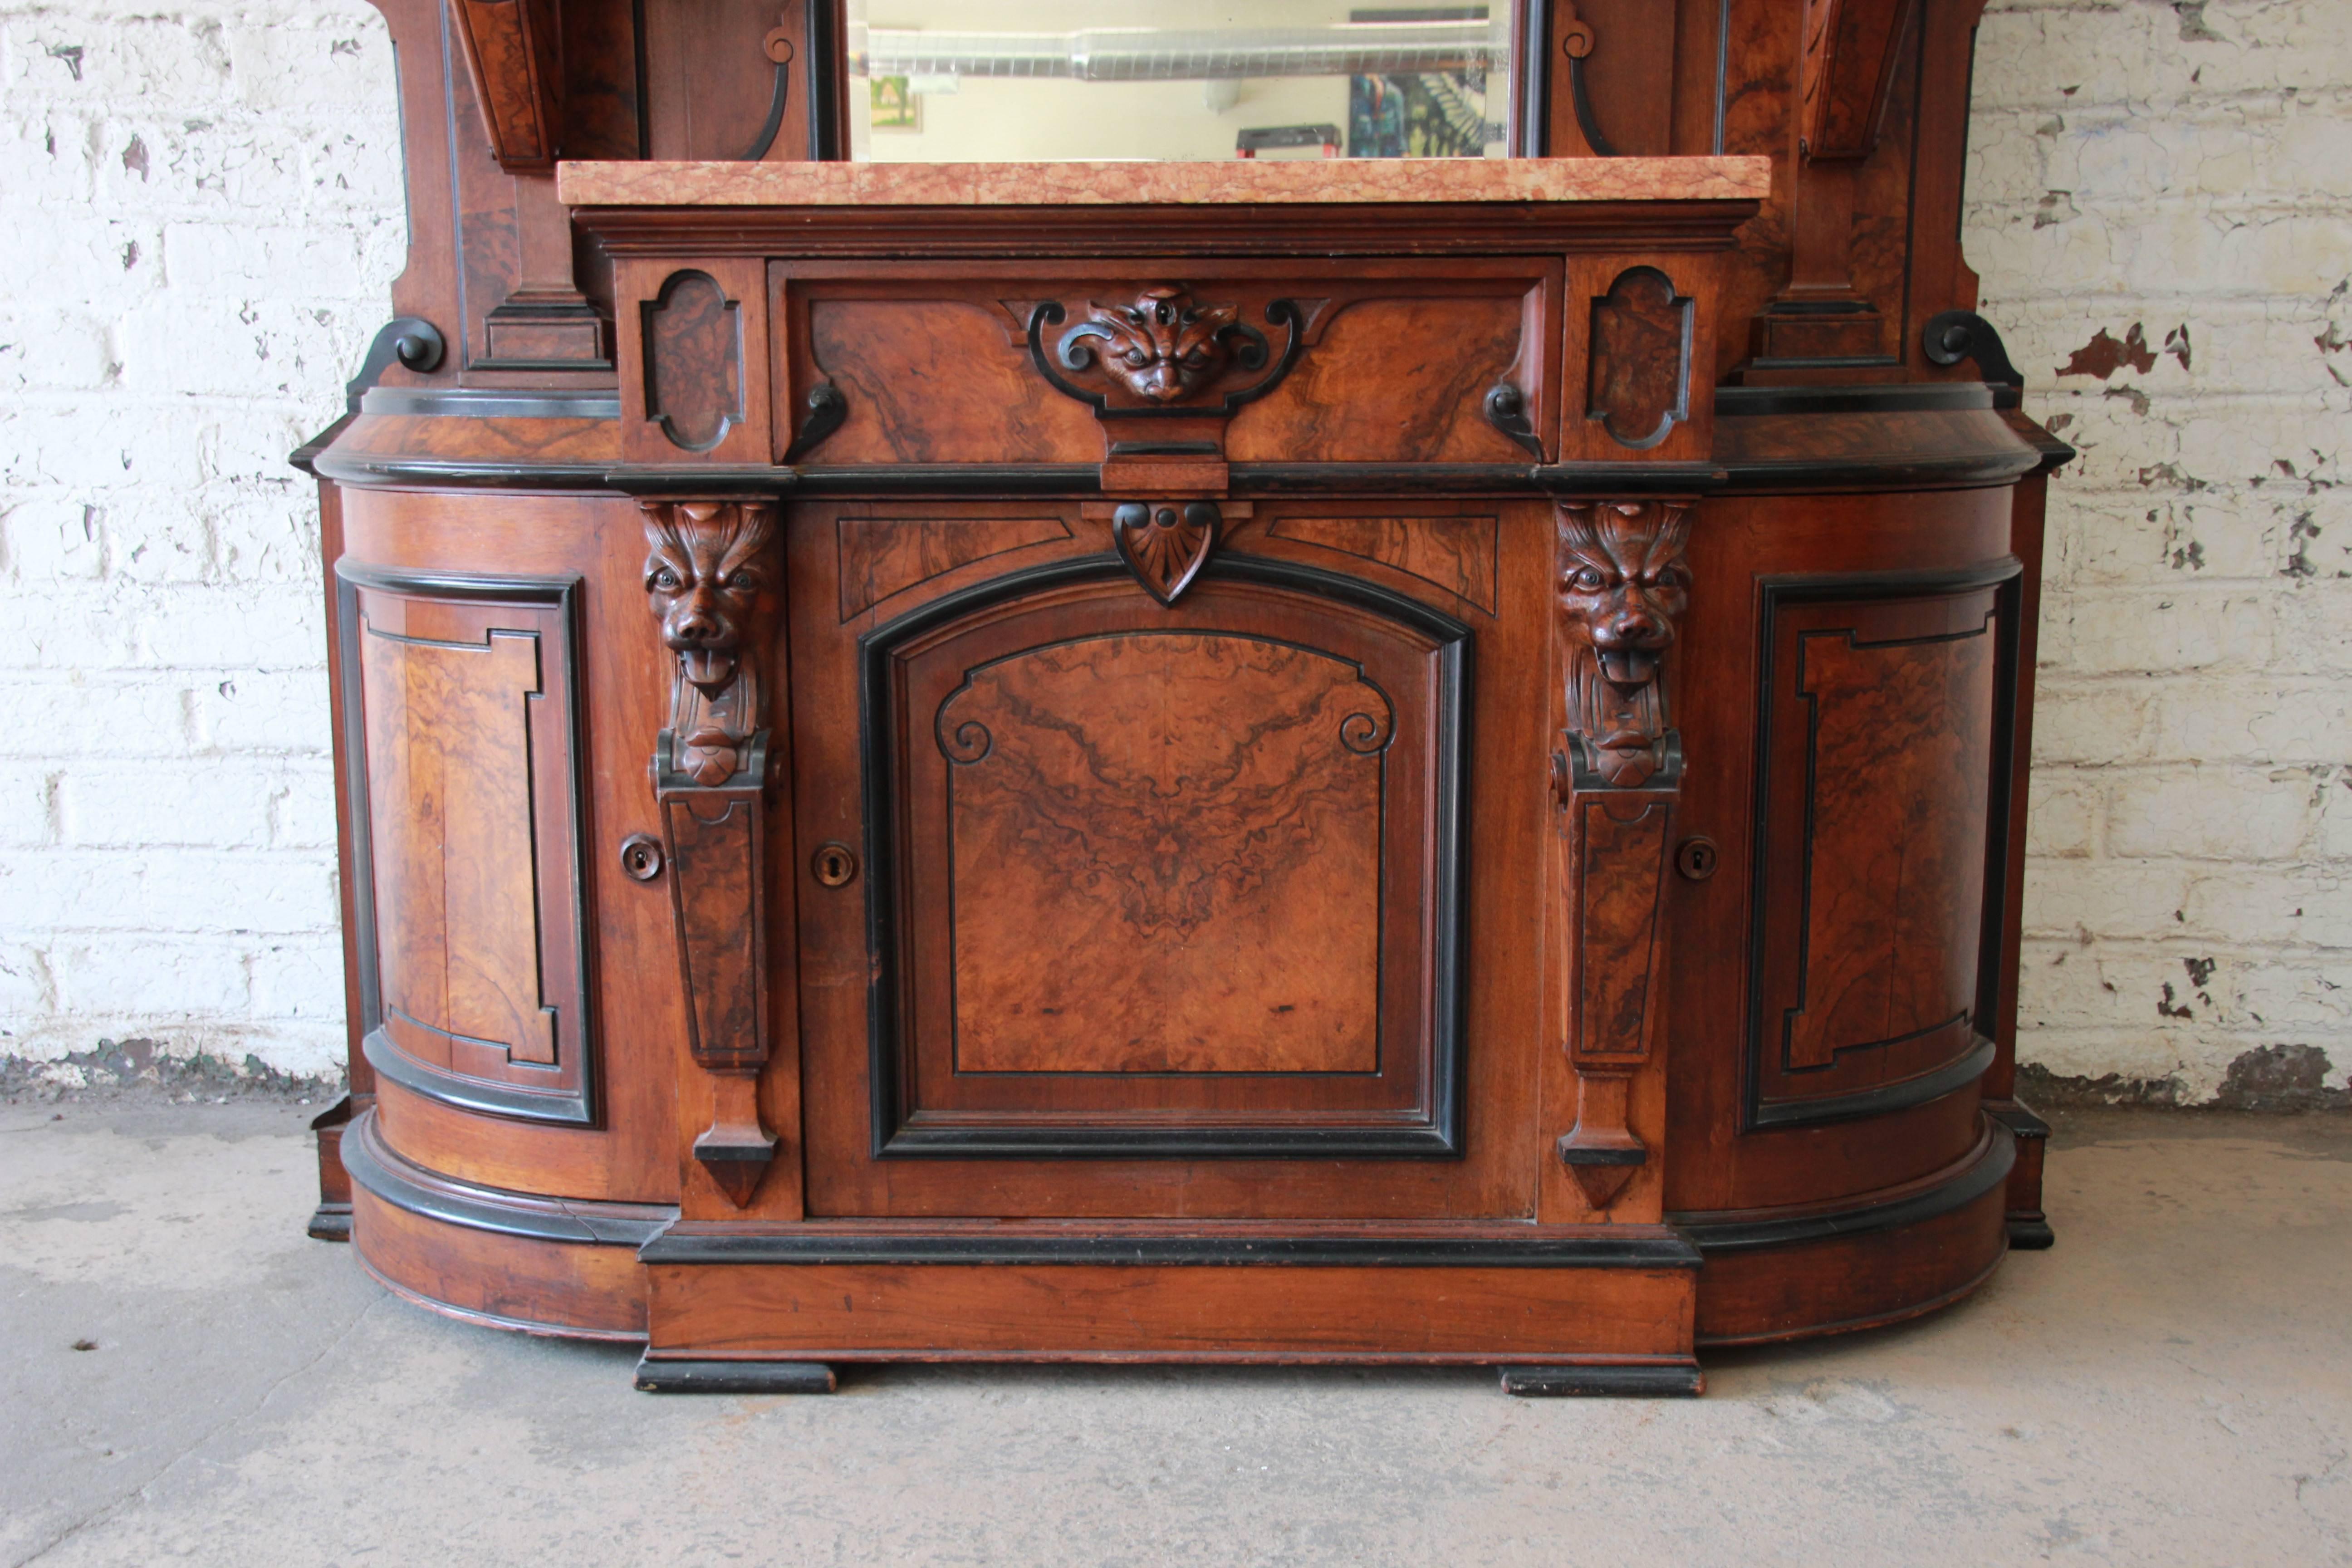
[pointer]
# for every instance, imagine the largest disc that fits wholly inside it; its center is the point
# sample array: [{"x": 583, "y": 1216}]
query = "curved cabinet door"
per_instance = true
[
  {"x": 465, "y": 741},
  {"x": 1165, "y": 882},
  {"x": 1884, "y": 761}
]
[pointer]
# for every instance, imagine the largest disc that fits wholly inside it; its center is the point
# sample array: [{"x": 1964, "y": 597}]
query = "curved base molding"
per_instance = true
[
  {"x": 1900, "y": 1255},
  {"x": 505, "y": 1260}
]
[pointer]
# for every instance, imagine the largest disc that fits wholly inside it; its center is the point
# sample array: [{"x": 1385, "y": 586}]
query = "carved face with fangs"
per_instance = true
[
  {"x": 1622, "y": 583},
  {"x": 708, "y": 579}
]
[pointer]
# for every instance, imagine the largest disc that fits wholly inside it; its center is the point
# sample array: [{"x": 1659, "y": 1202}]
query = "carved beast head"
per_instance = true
[
  {"x": 1160, "y": 346},
  {"x": 1622, "y": 584},
  {"x": 708, "y": 578}
]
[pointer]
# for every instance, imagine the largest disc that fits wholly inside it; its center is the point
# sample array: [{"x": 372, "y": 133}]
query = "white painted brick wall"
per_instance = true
[
  {"x": 164, "y": 810},
  {"x": 2186, "y": 170},
  {"x": 199, "y": 221}
]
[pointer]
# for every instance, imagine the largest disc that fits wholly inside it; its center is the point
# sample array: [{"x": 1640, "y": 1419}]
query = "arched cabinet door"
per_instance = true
[{"x": 1152, "y": 881}]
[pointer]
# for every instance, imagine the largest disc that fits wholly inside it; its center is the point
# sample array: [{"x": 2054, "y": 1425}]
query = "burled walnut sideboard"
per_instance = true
[{"x": 1343, "y": 759}]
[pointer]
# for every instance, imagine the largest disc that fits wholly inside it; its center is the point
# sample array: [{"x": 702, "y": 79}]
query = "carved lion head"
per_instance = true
[
  {"x": 709, "y": 580},
  {"x": 1622, "y": 583}
]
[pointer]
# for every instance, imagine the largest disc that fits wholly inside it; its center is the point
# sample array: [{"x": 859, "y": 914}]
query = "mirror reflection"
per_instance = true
[{"x": 993, "y": 81}]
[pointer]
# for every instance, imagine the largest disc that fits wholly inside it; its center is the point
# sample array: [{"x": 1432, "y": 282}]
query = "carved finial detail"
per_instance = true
[
  {"x": 710, "y": 584},
  {"x": 1622, "y": 584}
]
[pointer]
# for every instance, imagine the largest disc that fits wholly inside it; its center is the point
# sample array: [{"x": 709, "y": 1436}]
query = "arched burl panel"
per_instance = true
[{"x": 1171, "y": 881}]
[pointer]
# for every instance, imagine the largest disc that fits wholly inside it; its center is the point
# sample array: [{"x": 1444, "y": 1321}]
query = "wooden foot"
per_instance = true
[
  {"x": 1612, "y": 1380},
  {"x": 2029, "y": 1228},
  {"x": 733, "y": 1377}
]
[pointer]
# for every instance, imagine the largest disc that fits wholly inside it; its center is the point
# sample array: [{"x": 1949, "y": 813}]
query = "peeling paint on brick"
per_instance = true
[{"x": 2105, "y": 354}]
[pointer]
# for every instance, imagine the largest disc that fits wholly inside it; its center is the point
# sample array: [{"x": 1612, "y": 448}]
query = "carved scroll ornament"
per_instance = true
[
  {"x": 1622, "y": 584},
  {"x": 709, "y": 580}
]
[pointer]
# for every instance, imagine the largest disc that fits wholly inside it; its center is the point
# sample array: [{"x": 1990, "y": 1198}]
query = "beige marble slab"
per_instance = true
[{"x": 1337, "y": 181}]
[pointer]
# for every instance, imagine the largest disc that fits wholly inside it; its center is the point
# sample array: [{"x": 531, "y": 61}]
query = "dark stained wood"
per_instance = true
[
  {"x": 1082, "y": 1312},
  {"x": 883, "y": 556},
  {"x": 694, "y": 360},
  {"x": 464, "y": 709},
  {"x": 1457, "y": 553},
  {"x": 1214, "y": 839},
  {"x": 1852, "y": 56},
  {"x": 514, "y": 47},
  {"x": 1510, "y": 716},
  {"x": 1879, "y": 741},
  {"x": 581, "y": 1291},
  {"x": 1640, "y": 363},
  {"x": 1102, "y": 915},
  {"x": 709, "y": 577}
]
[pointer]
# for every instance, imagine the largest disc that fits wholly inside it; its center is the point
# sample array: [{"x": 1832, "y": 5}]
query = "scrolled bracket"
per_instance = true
[
  {"x": 1506, "y": 410},
  {"x": 829, "y": 410}
]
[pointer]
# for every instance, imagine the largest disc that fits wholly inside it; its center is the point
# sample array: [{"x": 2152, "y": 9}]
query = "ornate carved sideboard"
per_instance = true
[{"x": 1349, "y": 758}]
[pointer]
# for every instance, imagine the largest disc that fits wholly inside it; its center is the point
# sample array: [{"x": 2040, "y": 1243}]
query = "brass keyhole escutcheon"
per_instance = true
[
  {"x": 1697, "y": 858},
  {"x": 641, "y": 857},
  {"x": 834, "y": 865}
]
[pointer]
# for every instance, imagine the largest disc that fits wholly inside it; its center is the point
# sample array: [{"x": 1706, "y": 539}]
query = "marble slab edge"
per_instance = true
[{"x": 1346, "y": 182}]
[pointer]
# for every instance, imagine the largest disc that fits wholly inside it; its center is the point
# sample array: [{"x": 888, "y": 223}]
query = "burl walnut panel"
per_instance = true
[
  {"x": 473, "y": 826},
  {"x": 1167, "y": 846},
  {"x": 1879, "y": 748},
  {"x": 1179, "y": 871},
  {"x": 1457, "y": 553},
  {"x": 883, "y": 556},
  {"x": 1381, "y": 362}
]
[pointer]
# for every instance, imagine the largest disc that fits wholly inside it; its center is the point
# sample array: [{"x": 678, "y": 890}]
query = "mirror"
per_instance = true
[{"x": 998, "y": 80}]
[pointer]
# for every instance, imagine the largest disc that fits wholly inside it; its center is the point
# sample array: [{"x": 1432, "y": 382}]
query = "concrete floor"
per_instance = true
[{"x": 2172, "y": 1385}]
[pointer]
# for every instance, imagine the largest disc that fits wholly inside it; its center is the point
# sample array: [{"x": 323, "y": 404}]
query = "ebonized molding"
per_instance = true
[
  {"x": 1603, "y": 1247},
  {"x": 1989, "y": 1167},
  {"x": 894, "y": 1134},
  {"x": 377, "y": 1168}
]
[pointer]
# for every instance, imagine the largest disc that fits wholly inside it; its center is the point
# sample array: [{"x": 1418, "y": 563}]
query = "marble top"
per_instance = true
[{"x": 1242, "y": 181}]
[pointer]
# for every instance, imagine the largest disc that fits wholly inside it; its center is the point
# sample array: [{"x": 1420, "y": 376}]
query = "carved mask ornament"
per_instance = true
[
  {"x": 1623, "y": 582},
  {"x": 708, "y": 578},
  {"x": 1163, "y": 345}
]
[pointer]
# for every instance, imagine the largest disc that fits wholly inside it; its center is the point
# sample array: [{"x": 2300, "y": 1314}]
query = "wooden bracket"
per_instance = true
[
  {"x": 1617, "y": 778},
  {"x": 708, "y": 579}
]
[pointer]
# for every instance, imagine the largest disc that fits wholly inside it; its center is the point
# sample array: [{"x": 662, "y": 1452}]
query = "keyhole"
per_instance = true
[
  {"x": 1698, "y": 857},
  {"x": 641, "y": 857},
  {"x": 836, "y": 865}
]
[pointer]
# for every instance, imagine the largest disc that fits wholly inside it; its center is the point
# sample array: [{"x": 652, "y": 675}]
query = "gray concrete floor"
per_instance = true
[{"x": 2171, "y": 1385}]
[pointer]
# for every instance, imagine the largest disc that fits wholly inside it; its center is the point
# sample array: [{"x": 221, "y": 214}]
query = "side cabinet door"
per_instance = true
[
  {"x": 468, "y": 794},
  {"x": 1142, "y": 882}
]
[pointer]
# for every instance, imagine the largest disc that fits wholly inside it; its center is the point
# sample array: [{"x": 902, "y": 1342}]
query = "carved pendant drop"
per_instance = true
[{"x": 1166, "y": 546}]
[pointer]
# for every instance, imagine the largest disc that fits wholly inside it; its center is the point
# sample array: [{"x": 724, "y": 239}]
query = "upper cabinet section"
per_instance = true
[{"x": 997, "y": 81}]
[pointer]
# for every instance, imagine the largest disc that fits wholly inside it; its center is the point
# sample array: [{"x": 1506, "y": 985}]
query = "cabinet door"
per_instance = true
[
  {"x": 1142, "y": 893},
  {"x": 1164, "y": 880}
]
